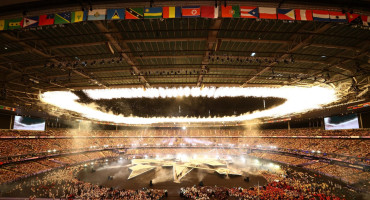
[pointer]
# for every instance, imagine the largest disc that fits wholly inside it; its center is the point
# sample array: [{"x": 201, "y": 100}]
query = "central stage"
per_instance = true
[{"x": 134, "y": 174}]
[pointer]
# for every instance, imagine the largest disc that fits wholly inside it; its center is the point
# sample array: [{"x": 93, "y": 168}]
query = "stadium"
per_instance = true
[{"x": 159, "y": 99}]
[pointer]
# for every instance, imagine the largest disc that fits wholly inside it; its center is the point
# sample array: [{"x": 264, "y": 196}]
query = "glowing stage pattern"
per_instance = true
[
  {"x": 139, "y": 169},
  {"x": 298, "y": 100},
  {"x": 182, "y": 167}
]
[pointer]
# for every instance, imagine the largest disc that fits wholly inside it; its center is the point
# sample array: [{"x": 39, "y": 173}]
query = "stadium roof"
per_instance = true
[{"x": 181, "y": 52}]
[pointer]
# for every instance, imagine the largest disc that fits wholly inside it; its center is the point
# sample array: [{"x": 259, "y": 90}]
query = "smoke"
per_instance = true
[
  {"x": 250, "y": 170},
  {"x": 197, "y": 141},
  {"x": 200, "y": 175},
  {"x": 162, "y": 175},
  {"x": 121, "y": 174},
  {"x": 252, "y": 127}
]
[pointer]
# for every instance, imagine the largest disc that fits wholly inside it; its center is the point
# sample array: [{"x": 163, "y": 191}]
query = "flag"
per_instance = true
[
  {"x": 46, "y": 20},
  {"x": 286, "y": 14},
  {"x": 7, "y": 108},
  {"x": 97, "y": 14},
  {"x": 209, "y": 12},
  {"x": 249, "y": 12},
  {"x": 230, "y": 11},
  {"x": 114, "y": 14},
  {"x": 155, "y": 12},
  {"x": 353, "y": 18},
  {"x": 321, "y": 15},
  {"x": 365, "y": 20},
  {"x": 171, "y": 12},
  {"x": 3, "y": 25},
  {"x": 62, "y": 18},
  {"x": 337, "y": 16},
  {"x": 29, "y": 22},
  {"x": 190, "y": 11},
  {"x": 78, "y": 16},
  {"x": 14, "y": 23},
  {"x": 134, "y": 13},
  {"x": 267, "y": 13},
  {"x": 303, "y": 15}
]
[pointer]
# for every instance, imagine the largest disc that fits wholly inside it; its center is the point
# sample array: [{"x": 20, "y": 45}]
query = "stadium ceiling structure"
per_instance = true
[{"x": 193, "y": 52}]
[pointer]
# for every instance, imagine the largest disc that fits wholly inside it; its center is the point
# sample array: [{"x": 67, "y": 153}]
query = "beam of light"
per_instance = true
[{"x": 298, "y": 100}]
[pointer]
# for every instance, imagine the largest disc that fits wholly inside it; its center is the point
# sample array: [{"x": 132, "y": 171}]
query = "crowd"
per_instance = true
[
  {"x": 15, "y": 171},
  {"x": 291, "y": 160},
  {"x": 357, "y": 148},
  {"x": 274, "y": 190},
  {"x": 62, "y": 183},
  {"x": 150, "y": 142},
  {"x": 349, "y": 175},
  {"x": 287, "y": 184},
  {"x": 189, "y": 132},
  {"x": 186, "y": 151},
  {"x": 346, "y": 174},
  {"x": 293, "y": 185}
]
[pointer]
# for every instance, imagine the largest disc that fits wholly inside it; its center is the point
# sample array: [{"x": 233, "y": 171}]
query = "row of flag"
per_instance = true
[
  {"x": 363, "y": 105},
  {"x": 7, "y": 108},
  {"x": 279, "y": 120},
  {"x": 234, "y": 11}
]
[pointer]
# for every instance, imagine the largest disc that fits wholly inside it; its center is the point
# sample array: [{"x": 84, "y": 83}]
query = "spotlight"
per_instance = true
[
  {"x": 253, "y": 54},
  {"x": 184, "y": 128}
]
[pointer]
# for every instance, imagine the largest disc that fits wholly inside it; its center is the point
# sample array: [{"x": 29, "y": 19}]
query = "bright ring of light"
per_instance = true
[{"x": 298, "y": 100}]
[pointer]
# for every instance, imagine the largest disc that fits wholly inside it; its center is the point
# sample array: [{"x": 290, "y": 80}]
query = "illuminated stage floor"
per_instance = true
[{"x": 162, "y": 178}]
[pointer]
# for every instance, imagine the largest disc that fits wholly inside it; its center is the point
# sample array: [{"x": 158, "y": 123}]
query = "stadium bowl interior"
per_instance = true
[{"x": 159, "y": 99}]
